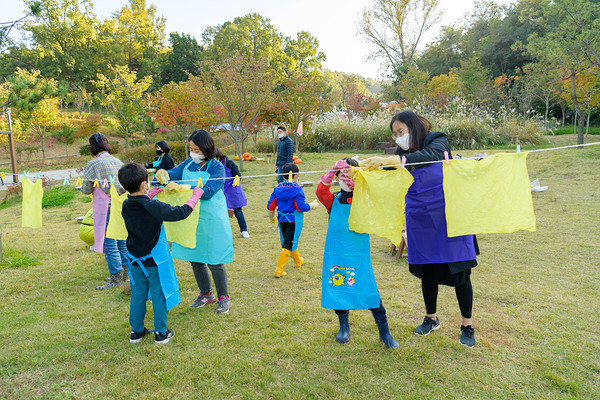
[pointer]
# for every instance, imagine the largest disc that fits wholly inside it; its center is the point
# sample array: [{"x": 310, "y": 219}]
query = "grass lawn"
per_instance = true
[{"x": 535, "y": 311}]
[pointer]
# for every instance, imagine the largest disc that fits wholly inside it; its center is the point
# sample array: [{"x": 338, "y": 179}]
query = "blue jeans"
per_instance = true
[
  {"x": 280, "y": 178},
  {"x": 139, "y": 297},
  {"x": 239, "y": 215},
  {"x": 115, "y": 252}
]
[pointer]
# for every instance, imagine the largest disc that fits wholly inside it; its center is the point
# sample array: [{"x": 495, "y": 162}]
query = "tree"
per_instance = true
[
  {"x": 35, "y": 102},
  {"x": 442, "y": 88},
  {"x": 476, "y": 84},
  {"x": 182, "y": 60},
  {"x": 444, "y": 53},
  {"x": 396, "y": 28},
  {"x": 237, "y": 88},
  {"x": 412, "y": 85},
  {"x": 125, "y": 94},
  {"x": 544, "y": 82},
  {"x": 65, "y": 134},
  {"x": 302, "y": 54},
  {"x": 33, "y": 9}
]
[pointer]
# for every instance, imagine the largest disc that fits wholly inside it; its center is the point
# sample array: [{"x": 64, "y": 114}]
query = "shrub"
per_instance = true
[
  {"x": 147, "y": 153},
  {"x": 92, "y": 124},
  {"x": 115, "y": 146}
]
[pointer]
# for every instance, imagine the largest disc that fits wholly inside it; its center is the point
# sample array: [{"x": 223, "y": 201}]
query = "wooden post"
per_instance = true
[{"x": 11, "y": 142}]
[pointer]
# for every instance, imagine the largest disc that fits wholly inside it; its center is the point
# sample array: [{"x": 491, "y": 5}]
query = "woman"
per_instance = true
[
  {"x": 235, "y": 196},
  {"x": 214, "y": 242},
  {"x": 163, "y": 159},
  {"x": 432, "y": 256},
  {"x": 105, "y": 166}
]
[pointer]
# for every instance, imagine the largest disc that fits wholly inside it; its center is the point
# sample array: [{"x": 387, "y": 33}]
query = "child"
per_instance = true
[
  {"x": 288, "y": 198},
  {"x": 151, "y": 267},
  {"x": 348, "y": 279},
  {"x": 234, "y": 195}
]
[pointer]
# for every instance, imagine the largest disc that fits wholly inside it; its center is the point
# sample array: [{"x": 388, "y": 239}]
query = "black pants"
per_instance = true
[
  {"x": 464, "y": 295},
  {"x": 378, "y": 313},
  {"x": 287, "y": 230}
]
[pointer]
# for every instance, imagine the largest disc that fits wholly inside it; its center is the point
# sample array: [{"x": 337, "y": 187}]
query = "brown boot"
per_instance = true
[
  {"x": 283, "y": 257},
  {"x": 114, "y": 281}
]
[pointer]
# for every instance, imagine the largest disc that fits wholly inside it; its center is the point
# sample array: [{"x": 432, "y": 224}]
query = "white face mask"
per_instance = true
[
  {"x": 281, "y": 135},
  {"x": 403, "y": 141},
  {"x": 197, "y": 158},
  {"x": 344, "y": 186}
]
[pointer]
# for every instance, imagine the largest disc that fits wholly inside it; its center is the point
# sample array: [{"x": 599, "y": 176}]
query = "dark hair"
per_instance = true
[
  {"x": 164, "y": 146},
  {"x": 99, "y": 143},
  {"x": 282, "y": 128},
  {"x": 418, "y": 127},
  {"x": 205, "y": 142},
  {"x": 131, "y": 176},
  {"x": 219, "y": 156},
  {"x": 291, "y": 166}
]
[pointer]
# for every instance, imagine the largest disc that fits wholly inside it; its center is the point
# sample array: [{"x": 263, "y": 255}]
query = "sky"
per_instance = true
[{"x": 332, "y": 22}]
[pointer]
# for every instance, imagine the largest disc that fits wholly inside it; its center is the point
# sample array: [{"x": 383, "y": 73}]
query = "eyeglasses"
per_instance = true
[{"x": 399, "y": 132}]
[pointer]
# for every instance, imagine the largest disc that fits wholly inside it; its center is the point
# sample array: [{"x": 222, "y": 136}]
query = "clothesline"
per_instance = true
[{"x": 327, "y": 170}]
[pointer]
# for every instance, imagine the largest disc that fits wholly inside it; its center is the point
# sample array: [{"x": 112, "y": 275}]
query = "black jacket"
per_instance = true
[
  {"x": 167, "y": 163},
  {"x": 285, "y": 151},
  {"x": 433, "y": 150}
]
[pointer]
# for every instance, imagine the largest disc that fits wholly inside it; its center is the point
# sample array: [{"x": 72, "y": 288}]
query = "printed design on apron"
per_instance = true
[{"x": 340, "y": 276}]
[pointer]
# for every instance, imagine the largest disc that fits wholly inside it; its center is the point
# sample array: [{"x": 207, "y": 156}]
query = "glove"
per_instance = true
[
  {"x": 374, "y": 162},
  {"x": 172, "y": 186},
  {"x": 196, "y": 194},
  {"x": 327, "y": 179},
  {"x": 314, "y": 204},
  {"x": 162, "y": 176},
  {"x": 272, "y": 218},
  {"x": 154, "y": 191}
]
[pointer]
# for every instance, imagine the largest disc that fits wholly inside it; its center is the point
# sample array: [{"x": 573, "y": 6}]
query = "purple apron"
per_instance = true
[
  {"x": 428, "y": 241},
  {"x": 233, "y": 194}
]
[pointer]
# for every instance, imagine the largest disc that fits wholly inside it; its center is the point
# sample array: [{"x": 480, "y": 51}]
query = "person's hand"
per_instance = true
[
  {"x": 154, "y": 191},
  {"x": 196, "y": 195},
  {"x": 314, "y": 204},
  {"x": 172, "y": 186},
  {"x": 162, "y": 176},
  {"x": 272, "y": 217},
  {"x": 375, "y": 162},
  {"x": 352, "y": 172}
]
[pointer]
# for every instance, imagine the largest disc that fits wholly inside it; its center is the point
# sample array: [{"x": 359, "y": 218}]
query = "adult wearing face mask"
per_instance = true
[
  {"x": 285, "y": 152},
  {"x": 163, "y": 159},
  {"x": 214, "y": 242},
  {"x": 433, "y": 257}
]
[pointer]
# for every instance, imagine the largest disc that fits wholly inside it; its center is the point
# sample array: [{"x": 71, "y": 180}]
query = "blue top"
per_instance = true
[
  {"x": 287, "y": 198},
  {"x": 285, "y": 151},
  {"x": 210, "y": 187}
]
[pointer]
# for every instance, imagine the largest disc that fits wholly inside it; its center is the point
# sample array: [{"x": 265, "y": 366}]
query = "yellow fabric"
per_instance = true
[
  {"x": 488, "y": 196},
  {"x": 32, "y": 203},
  {"x": 378, "y": 202},
  {"x": 86, "y": 228},
  {"x": 116, "y": 224},
  {"x": 181, "y": 232}
]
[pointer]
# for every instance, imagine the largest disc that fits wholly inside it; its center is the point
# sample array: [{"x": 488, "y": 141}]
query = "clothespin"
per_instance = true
[
  {"x": 403, "y": 161},
  {"x": 446, "y": 158},
  {"x": 104, "y": 183},
  {"x": 2, "y": 175},
  {"x": 290, "y": 177},
  {"x": 200, "y": 183},
  {"x": 111, "y": 180},
  {"x": 518, "y": 148},
  {"x": 78, "y": 181},
  {"x": 38, "y": 175},
  {"x": 25, "y": 174},
  {"x": 66, "y": 181},
  {"x": 96, "y": 184},
  {"x": 236, "y": 181}
]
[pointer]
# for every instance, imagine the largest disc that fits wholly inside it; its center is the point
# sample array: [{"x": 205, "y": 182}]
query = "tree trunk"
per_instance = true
[
  {"x": 577, "y": 109},
  {"x": 587, "y": 125},
  {"x": 43, "y": 146}
]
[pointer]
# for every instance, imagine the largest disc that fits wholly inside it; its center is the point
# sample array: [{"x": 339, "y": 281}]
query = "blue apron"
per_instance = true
[
  {"x": 166, "y": 270},
  {"x": 428, "y": 241},
  {"x": 156, "y": 163},
  {"x": 299, "y": 222},
  {"x": 348, "y": 279},
  {"x": 214, "y": 241}
]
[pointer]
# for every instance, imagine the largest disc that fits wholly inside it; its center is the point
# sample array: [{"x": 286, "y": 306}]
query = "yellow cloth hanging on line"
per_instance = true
[
  {"x": 488, "y": 196},
  {"x": 378, "y": 202},
  {"x": 116, "y": 224},
  {"x": 32, "y": 203},
  {"x": 181, "y": 232}
]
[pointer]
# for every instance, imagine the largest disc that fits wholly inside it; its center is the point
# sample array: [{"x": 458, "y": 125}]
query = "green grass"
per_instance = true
[
  {"x": 568, "y": 130},
  {"x": 535, "y": 307}
]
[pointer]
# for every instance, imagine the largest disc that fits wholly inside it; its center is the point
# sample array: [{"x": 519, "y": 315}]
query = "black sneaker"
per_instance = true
[
  {"x": 136, "y": 337},
  {"x": 162, "y": 339},
  {"x": 467, "y": 336},
  {"x": 427, "y": 326}
]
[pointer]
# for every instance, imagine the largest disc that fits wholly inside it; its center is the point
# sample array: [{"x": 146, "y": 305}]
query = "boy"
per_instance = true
[
  {"x": 288, "y": 198},
  {"x": 151, "y": 267}
]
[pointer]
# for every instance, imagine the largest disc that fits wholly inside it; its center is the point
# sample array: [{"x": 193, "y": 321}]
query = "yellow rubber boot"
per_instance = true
[
  {"x": 297, "y": 259},
  {"x": 283, "y": 257}
]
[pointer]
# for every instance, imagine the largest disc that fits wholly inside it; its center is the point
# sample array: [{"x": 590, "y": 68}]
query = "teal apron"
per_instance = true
[
  {"x": 156, "y": 163},
  {"x": 166, "y": 270},
  {"x": 299, "y": 222},
  {"x": 214, "y": 241},
  {"x": 348, "y": 279}
]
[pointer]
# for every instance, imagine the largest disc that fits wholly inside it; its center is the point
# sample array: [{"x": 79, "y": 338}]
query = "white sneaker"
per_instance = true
[{"x": 245, "y": 234}]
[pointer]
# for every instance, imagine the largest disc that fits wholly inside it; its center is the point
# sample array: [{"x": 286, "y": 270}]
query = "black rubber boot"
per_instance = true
[
  {"x": 386, "y": 337},
  {"x": 344, "y": 334}
]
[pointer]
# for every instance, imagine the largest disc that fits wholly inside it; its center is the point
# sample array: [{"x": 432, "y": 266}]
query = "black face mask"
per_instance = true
[{"x": 158, "y": 152}]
